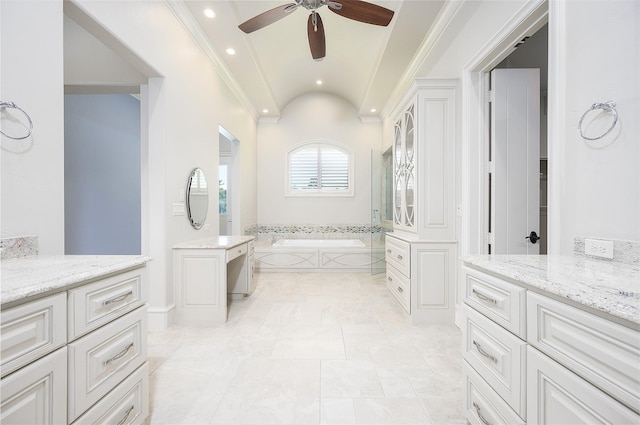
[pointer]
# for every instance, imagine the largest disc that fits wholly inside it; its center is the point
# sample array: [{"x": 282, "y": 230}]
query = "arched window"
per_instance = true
[{"x": 319, "y": 168}]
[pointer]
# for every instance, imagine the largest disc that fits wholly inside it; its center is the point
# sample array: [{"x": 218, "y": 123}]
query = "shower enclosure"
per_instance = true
[{"x": 381, "y": 203}]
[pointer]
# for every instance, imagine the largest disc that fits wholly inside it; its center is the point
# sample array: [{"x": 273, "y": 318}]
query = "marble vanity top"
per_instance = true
[
  {"x": 26, "y": 277},
  {"x": 608, "y": 287},
  {"x": 220, "y": 242}
]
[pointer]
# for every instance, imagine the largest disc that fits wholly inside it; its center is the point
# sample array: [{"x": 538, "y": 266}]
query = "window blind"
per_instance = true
[{"x": 319, "y": 168}]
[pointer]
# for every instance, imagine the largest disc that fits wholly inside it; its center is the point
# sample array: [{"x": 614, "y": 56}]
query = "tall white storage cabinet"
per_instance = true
[{"x": 421, "y": 252}]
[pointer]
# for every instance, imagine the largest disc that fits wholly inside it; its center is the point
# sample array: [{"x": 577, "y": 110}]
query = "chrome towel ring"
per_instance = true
[
  {"x": 5, "y": 105},
  {"x": 609, "y": 106}
]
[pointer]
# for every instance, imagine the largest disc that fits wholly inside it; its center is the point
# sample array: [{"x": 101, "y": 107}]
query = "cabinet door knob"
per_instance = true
[
  {"x": 400, "y": 289},
  {"x": 399, "y": 257}
]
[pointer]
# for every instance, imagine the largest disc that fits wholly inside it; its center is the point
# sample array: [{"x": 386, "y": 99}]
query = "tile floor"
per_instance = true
[{"x": 308, "y": 348}]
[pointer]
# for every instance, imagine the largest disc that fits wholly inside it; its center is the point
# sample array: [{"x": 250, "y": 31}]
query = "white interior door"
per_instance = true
[{"x": 515, "y": 152}]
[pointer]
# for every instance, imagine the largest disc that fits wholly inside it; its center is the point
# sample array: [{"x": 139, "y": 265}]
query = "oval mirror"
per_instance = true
[{"x": 197, "y": 198}]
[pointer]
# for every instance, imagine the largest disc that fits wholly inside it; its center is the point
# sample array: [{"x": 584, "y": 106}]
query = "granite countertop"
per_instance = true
[
  {"x": 220, "y": 242},
  {"x": 32, "y": 276},
  {"x": 606, "y": 286}
]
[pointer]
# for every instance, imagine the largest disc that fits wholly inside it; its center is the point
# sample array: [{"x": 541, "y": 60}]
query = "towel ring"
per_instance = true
[
  {"x": 609, "y": 106},
  {"x": 4, "y": 105}
]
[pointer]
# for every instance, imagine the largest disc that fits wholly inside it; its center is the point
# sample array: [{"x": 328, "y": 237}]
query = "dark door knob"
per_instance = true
[{"x": 533, "y": 237}]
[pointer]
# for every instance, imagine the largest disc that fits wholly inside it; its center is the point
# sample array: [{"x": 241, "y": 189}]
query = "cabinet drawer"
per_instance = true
[
  {"x": 93, "y": 305},
  {"x": 498, "y": 356},
  {"x": 101, "y": 360},
  {"x": 482, "y": 405},
  {"x": 127, "y": 404},
  {"x": 400, "y": 287},
  {"x": 559, "y": 396},
  {"x": 398, "y": 253},
  {"x": 602, "y": 352},
  {"x": 500, "y": 301},
  {"x": 235, "y": 252},
  {"x": 37, "y": 393},
  {"x": 30, "y": 331}
]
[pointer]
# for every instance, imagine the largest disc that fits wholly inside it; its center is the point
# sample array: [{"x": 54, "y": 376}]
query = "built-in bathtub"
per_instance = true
[{"x": 317, "y": 255}]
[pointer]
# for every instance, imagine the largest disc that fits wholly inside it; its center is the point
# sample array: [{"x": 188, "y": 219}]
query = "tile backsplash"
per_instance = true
[
  {"x": 313, "y": 231},
  {"x": 18, "y": 247}
]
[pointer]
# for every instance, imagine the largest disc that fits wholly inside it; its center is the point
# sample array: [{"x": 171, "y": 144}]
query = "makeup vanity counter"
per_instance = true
[
  {"x": 209, "y": 271},
  {"x": 551, "y": 340},
  {"x": 74, "y": 339}
]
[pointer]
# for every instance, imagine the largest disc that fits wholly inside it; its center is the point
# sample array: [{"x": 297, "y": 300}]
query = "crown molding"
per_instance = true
[
  {"x": 185, "y": 17},
  {"x": 440, "y": 25}
]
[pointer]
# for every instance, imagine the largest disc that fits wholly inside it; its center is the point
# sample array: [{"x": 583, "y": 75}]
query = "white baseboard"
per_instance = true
[
  {"x": 458, "y": 316},
  {"x": 160, "y": 318}
]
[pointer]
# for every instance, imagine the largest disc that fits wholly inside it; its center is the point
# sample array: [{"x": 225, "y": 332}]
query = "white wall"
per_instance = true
[
  {"x": 31, "y": 76},
  {"x": 193, "y": 102},
  {"x": 596, "y": 185},
  {"x": 183, "y": 106},
  {"x": 595, "y": 55},
  {"x": 311, "y": 117}
]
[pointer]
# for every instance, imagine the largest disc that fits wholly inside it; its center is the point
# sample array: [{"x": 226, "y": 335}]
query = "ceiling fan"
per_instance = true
[{"x": 353, "y": 9}]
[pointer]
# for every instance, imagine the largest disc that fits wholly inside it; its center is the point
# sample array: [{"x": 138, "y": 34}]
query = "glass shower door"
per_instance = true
[{"x": 381, "y": 206}]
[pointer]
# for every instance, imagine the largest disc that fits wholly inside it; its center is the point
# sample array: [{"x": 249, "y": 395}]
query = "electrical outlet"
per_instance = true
[{"x": 599, "y": 248}]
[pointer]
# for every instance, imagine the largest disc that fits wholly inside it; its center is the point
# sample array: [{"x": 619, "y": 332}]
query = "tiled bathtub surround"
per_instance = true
[
  {"x": 627, "y": 252},
  {"x": 18, "y": 247},
  {"x": 364, "y": 232}
]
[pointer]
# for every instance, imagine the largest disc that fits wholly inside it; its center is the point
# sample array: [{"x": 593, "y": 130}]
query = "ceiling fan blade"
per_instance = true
[
  {"x": 316, "y": 36},
  {"x": 266, "y": 18},
  {"x": 363, "y": 12}
]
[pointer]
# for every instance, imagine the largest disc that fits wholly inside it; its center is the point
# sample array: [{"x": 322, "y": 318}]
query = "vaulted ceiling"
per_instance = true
[
  {"x": 273, "y": 65},
  {"x": 364, "y": 64}
]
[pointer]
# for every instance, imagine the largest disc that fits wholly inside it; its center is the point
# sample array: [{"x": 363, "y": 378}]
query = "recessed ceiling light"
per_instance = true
[
  {"x": 265, "y": 111},
  {"x": 209, "y": 13},
  {"x": 373, "y": 110},
  {"x": 319, "y": 82},
  {"x": 230, "y": 51}
]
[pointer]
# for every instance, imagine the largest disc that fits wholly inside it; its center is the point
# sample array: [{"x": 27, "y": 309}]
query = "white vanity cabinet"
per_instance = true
[
  {"x": 421, "y": 276},
  {"x": 206, "y": 273},
  {"x": 78, "y": 354},
  {"x": 37, "y": 393},
  {"x": 423, "y": 202},
  {"x": 424, "y": 160},
  {"x": 532, "y": 357}
]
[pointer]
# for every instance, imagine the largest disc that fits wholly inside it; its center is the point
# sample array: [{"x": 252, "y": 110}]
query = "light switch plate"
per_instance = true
[{"x": 178, "y": 208}]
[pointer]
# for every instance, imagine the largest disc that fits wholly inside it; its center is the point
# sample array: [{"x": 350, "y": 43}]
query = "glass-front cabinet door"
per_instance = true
[
  {"x": 410, "y": 162},
  {"x": 404, "y": 172},
  {"x": 398, "y": 169}
]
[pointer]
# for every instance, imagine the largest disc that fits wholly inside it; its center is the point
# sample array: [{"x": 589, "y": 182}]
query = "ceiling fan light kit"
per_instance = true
[{"x": 357, "y": 10}]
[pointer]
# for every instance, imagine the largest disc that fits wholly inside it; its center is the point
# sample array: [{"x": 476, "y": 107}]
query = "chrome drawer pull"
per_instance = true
[
  {"x": 126, "y": 415},
  {"x": 119, "y": 355},
  {"x": 388, "y": 251},
  {"x": 484, "y": 353},
  {"x": 399, "y": 257},
  {"x": 389, "y": 279},
  {"x": 117, "y": 299},
  {"x": 400, "y": 289},
  {"x": 483, "y": 297},
  {"x": 484, "y": 421}
]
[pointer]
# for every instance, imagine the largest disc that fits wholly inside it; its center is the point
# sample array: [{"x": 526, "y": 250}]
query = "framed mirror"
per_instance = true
[{"x": 197, "y": 198}]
